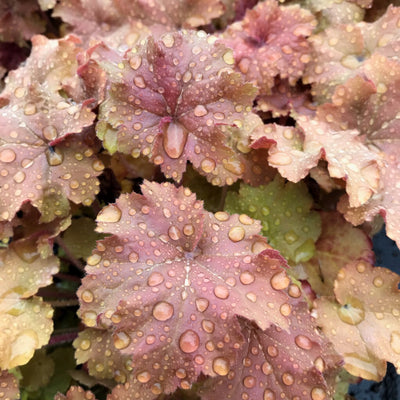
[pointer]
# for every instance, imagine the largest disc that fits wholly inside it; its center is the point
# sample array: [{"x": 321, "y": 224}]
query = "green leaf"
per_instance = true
[{"x": 284, "y": 211}]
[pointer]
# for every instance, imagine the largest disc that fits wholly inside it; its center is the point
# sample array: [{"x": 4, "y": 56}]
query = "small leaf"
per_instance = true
[
  {"x": 76, "y": 393},
  {"x": 284, "y": 211}
]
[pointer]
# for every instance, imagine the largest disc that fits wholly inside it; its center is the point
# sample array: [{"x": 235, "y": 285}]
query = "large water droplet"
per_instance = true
[
  {"x": 287, "y": 379},
  {"x": 189, "y": 341},
  {"x": 7, "y": 156},
  {"x": 269, "y": 395},
  {"x": 163, "y": 311},
  {"x": 303, "y": 342},
  {"x": 110, "y": 213},
  {"x": 236, "y": 233},
  {"x": 318, "y": 394},
  {"x": 143, "y": 377},
  {"x": 121, "y": 340},
  {"x": 352, "y": 313},
  {"x": 200, "y": 111},
  {"x": 249, "y": 382},
  {"x": 221, "y": 292},
  {"x": 54, "y": 156},
  {"x": 266, "y": 368},
  {"x": 133, "y": 257},
  {"x": 220, "y": 366},
  {"x": 87, "y": 296},
  {"x": 85, "y": 344},
  {"x": 174, "y": 139},
  {"x": 50, "y": 132},
  {"x": 208, "y": 165},
  {"x": 174, "y": 233},
  {"x": 202, "y": 304},
  {"x": 280, "y": 281},
  {"x": 246, "y": 278},
  {"x": 155, "y": 279},
  {"x": 208, "y": 326}
]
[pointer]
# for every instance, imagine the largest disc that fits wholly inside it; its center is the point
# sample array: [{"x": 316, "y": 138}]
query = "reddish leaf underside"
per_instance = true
[
  {"x": 165, "y": 288},
  {"x": 184, "y": 93},
  {"x": 42, "y": 158}
]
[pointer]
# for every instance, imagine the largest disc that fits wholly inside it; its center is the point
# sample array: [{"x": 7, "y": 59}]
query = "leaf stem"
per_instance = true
[{"x": 71, "y": 258}]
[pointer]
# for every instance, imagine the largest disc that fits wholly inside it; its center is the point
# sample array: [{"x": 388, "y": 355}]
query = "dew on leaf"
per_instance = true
[
  {"x": 163, "y": 311},
  {"x": 155, "y": 279},
  {"x": 50, "y": 132},
  {"x": 87, "y": 296},
  {"x": 7, "y": 155},
  {"x": 133, "y": 257},
  {"x": 303, "y": 342},
  {"x": 318, "y": 394},
  {"x": 395, "y": 342},
  {"x": 111, "y": 213},
  {"x": 208, "y": 326},
  {"x": 280, "y": 281},
  {"x": 208, "y": 165},
  {"x": 200, "y": 111},
  {"x": 143, "y": 377},
  {"x": 220, "y": 366},
  {"x": 246, "y": 278},
  {"x": 266, "y": 368},
  {"x": 121, "y": 340},
  {"x": 221, "y": 292},
  {"x": 202, "y": 304},
  {"x": 174, "y": 139},
  {"x": 352, "y": 314},
  {"x": 189, "y": 341},
  {"x": 287, "y": 379},
  {"x": 236, "y": 233}
]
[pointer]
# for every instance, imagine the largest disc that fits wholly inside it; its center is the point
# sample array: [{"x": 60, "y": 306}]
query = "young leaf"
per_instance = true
[
  {"x": 271, "y": 41},
  {"x": 363, "y": 323},
  {"x": 339, "y": 244},
  {"x": 170, "y": 281},
  {"x": 76, "y": 393},
  {"x": 284, "y": 212},
  {"x": 298, "y": 363},
  {"x": 25, "y": 324},
  {"x": 184, "y": 93},
  {"x": 42, "y": 158}
]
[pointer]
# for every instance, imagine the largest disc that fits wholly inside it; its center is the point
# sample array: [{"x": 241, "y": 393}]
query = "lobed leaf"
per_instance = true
[
  {"x": 184, "y": 94},
  {"x": 339, "y": 244},
  {"x": 166, "y": 286},
  {"x": 269, "y": 42},
  {"x": 44, "y": 108},
  {"x": 280, "y": 364},
  {"x": 76, "y": 393},
  {"x": 284, "y": 212},
  {"x": 363, "y": 323}
]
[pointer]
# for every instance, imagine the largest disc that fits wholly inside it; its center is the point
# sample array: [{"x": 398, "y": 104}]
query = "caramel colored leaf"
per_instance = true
[
  {"x": 339, "y": 244},
  {"x": 284, "y": 212},
  {"x": 170, "y": 280},
  {"x": 363, "y": 323},
  {"x": 43, "y": 159},
  {"x": 76, "y": 393},
  {"x": 184, "y": 94}
]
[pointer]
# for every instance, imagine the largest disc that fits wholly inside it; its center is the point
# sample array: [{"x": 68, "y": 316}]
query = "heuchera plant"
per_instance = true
[{"x": 188, "y": 191}]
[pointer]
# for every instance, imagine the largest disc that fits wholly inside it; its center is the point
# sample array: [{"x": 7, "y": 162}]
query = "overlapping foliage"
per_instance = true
[{"x": 255, "y": 283}]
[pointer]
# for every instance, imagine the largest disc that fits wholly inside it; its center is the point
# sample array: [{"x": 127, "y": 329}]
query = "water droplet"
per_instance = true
[
  {"x": 272, "y": 351},
  {"x": 352, "y": 313},
  {"x": 221, "y": 292},
  {"x": 287, "y": 379},
  {"x": 285, "y": 309},
  {"x": 19, "y": 92},
  {"x": 245, "y": 219},
  {"x": 202, "y": 304},
  {"x": 188, "y": 229},
  {"x": 174, "y": 139},
  {"x": 89, "y": 318},
  {"x": 221, "y": 216},
  {"x": 266, "y": 368},
  {"x": 163, "y": 311},
  {"x": 156, "y": 389},
  {"x": 280, "y": 281},
  {"x": 7, "y": 156},
  {"x": 168, "y": 40},
  {"x": 280, "y": 159},
  {"x": 85, "y": 344},
  {"x": 87, "y": 296},
  {"x": 94, "y": 259},
  {"x": 139, "y": 82},
  {"x": 143, "y": 377},
  {"x": 303, "y": 342},
  {"x": 246, "y": 278},
  {"x": 135, "y": 61},
  {"x": 110, "y": 213},
  {"x": 200, "y": 111},
  {"x": 269, "y": 395},
  {"x": 30, "y": 109},
  {"x": 251, "y": 296},
  {"x": 133, "y": 257},
  {"x": 155, "y": 279},
  {"x": 236, "y": 233},
  {"x": 19, "y": 177},
  {"x": 50, "y": 132},
  {"x": 174, "y": 233},
  {"x": 290, "y": 237},
  {"x": 395, "y": 342},
  {"x": 121, "y": 340},
  {"x": 249, "y": 381},
  {"x": 318, "y": 394},
  {"x": 189, "y": 341},
  {"x": 180, "y": 373},
  {"x": 220, "y": 366},
  {"x": 208, "y": 326},
  {"x": 228, "y": 57},
  {"x": 378, "y": 282},
  {"x": 208, "y": 165},
  {"x": 319, "y": 364}
]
